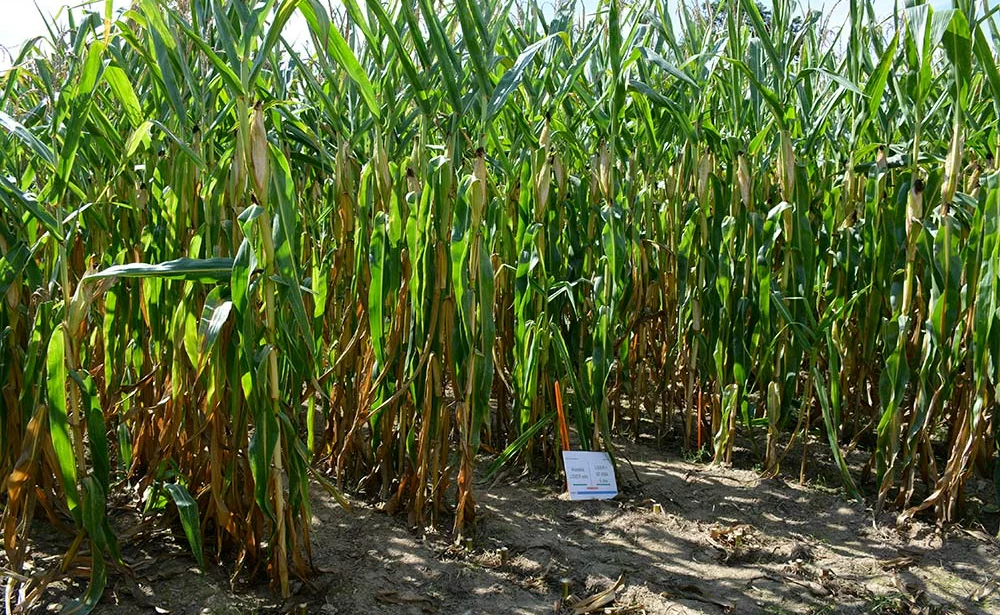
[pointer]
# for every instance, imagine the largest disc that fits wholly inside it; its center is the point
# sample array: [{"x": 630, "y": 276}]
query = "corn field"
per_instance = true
[{"x": 234, "y": 269}]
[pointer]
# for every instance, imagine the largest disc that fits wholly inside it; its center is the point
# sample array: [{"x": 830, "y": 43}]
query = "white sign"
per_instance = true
[{"x": 590, "y": 475}]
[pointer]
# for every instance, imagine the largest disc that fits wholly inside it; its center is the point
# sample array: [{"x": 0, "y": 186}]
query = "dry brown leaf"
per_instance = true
[
  {"x": 897, "y": 563},
  {"x": 599, "y": 600},
  {"x": 985, "y": 591},
  {"x": 692, "y": 592},
  {"x": 407, "y": 597}
]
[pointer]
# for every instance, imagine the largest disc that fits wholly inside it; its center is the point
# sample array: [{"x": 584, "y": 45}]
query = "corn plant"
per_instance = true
[{"x": 234, "y": 269}]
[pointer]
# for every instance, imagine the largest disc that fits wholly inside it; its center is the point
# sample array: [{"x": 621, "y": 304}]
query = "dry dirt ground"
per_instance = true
[{"x": 721, "y": 541}]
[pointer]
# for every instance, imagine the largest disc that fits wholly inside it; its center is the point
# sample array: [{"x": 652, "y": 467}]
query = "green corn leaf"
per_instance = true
[
  {"x": 195, "y": 269},
  {"x": 657, "y": 60},
  {"x": 12, "y": 197},
  {"x": 875, "y": 87},
  {"x": 231, "y": 79},
  {"x": 449, "y": 67},
  {"x": 987, "y": 61},
  {"x": 184, "y": 147},
  {"x": 12, "y": 263},
  {"x": 97, "y": 433},
  {"x": 214, "y": 316},
  {"x": 285, "y": 234},
  {"x": 831, "y": 431},
  {"x": 123, "y": 90},
  {"x": 188, "y": 510},
  {"x": 338, "y": 48},
  {"x": 59, "y": 419},
  {"x": 138, "y": 137},
  {"x": 512, "y": 79},
  {"x": 95, "y": 589},
  {"x": 518, "y": 445},
  {"x": 471, "y": 35},
  {"x": 24, "y": 135},
  {"x": 376, "y": 290}
]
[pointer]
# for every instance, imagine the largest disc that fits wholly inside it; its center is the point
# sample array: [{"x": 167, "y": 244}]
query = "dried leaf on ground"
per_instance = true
[{"x": 599, "y": 600}]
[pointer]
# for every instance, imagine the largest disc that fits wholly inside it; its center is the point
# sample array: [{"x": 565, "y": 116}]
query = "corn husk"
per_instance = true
[{"x": 259, "y": 164}]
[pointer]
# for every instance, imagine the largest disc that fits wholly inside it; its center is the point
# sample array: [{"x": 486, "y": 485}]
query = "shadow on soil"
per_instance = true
[{"x": 724, "y": 541}]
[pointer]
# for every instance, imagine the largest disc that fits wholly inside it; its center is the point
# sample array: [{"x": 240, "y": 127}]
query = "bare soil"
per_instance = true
[{"x": 721, "y": 540}]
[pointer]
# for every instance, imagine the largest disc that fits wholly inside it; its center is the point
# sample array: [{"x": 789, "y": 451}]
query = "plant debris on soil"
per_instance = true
[{"x": 721, "y": 540}]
